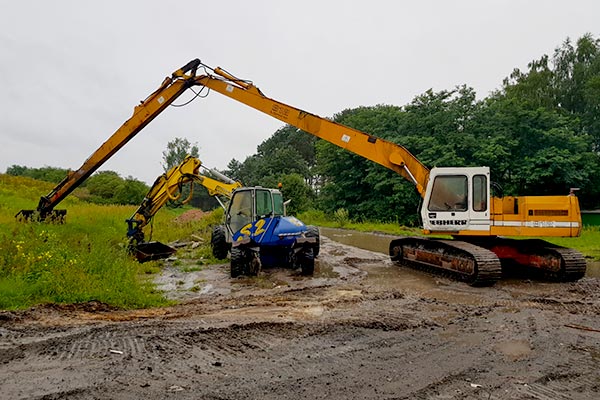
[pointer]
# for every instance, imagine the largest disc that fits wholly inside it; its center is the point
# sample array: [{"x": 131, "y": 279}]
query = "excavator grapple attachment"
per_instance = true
[
  {"x": 53, "y": 216},
  {"x": 148, "y": 251}
]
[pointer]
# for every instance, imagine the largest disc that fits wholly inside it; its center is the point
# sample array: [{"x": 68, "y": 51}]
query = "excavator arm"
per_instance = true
[
  {"x": 388, "y": 154},
  {"x": 168, "y": 187}
]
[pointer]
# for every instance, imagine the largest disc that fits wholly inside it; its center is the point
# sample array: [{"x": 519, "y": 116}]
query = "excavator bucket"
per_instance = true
[
  {"x": 54, "y": 216},
  {"x": 148, "y": 251}
]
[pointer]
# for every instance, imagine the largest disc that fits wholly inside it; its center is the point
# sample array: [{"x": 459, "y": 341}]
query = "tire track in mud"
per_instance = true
[
  {"x": 561, "y": 382},
  {"x": 574, "y": 297},
  {"x": 367, "y": 330},
  {"x": 523, "y": 351},
  {"x": 511, "y": 298},
  {"x": 325, "y": 353},
  {"x": 566, "y": 305},
  {"x": 478, "y": 383},
  {"x": 250, "y": 346},
  {"x": 99, "y": 344}
]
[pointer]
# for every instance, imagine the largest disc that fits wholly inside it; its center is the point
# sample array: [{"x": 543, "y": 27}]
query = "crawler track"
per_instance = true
[
  {"x": 574, "y": 264},
  {"x": 538, "y": 258},
  {"x": 460, "y": 260}
]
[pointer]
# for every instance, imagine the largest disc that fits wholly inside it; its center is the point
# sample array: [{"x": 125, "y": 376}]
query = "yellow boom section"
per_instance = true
[
  {"x": 388, "y": 154},
  {"x": 168, "y": 187},
  {"x": 171, "y": 88}
]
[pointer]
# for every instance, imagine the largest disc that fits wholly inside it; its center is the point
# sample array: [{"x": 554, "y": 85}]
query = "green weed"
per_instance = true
[
  {"x": 81, "y": 260},
  {"x": 342, "y": 217}
]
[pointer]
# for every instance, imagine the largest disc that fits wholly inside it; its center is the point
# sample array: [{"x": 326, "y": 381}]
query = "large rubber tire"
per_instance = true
[
  {"x": 306, "y": 259},
  {"x": 313, "y": 231},
  {"x": 244, "y": 262},
  {"x": 218, "y": 242},
  {"x": 254, "y": 265},
  {"x": 238, "y": 263}
]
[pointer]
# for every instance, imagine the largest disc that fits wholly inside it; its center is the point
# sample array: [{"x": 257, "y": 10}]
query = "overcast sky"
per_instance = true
[{"x": 71, "y": 72}]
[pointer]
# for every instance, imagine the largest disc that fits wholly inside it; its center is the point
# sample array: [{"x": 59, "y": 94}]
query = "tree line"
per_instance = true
[
  {"x": 104, "y": 187},
  {"x": 539, "y": 134}
]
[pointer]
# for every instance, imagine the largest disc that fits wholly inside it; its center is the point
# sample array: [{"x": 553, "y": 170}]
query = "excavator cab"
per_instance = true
[
  {"x": 251, "y": 204},
  {"x": 457, "y": 199}
]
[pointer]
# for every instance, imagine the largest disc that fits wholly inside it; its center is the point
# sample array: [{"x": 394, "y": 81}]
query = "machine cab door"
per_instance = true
[
  {"x": 264, "y": 203},
  {"x": 241, "y": 209},
  {"x": 457, "y": 199}
]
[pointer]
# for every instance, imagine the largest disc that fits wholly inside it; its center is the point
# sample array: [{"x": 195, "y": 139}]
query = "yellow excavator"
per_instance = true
[
  {"x": 169, "y": 187},
  {"x": 457, "y": 201}
]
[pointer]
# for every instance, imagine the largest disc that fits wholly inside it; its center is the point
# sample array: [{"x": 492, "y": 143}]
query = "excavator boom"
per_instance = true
[{"x": 388, "y": 154}]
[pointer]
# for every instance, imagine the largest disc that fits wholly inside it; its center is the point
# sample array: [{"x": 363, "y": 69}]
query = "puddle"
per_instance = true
[
  {"x": 393, "y": 277},
  {"x": 363, "y": 240},
  {"x": 325, "y": 270},
  {"x": 179, "y": 285},
  {"x": 593, "y": 269},
  {"x": 514, "y": 349}
]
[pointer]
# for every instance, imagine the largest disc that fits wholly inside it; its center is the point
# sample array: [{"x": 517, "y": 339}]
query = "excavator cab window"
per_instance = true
[
  {"x": 449, "y": 193},
  {"x": 480, "y": 193},
  {"x": 240, "y": 210},
  {"x": 264, "y": 204}
]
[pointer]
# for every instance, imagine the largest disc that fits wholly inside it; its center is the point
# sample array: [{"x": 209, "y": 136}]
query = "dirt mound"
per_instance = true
[{"x": 191, "y": 215}]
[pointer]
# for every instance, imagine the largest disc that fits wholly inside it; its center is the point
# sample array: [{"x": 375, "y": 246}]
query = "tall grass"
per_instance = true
[{"x": 82, "y": 260}]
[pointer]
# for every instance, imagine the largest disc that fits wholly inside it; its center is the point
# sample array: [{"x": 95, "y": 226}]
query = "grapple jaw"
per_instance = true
[
  {"x": 52, "y": 216},
  {"x": 148, "y": 251}
]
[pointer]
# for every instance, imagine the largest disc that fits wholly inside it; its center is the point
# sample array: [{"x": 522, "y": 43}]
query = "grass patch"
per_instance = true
[
  {"x": 321, "y": 219},
  {"x": 84, "y": 259},
  {"x": 587, "y": 243}
]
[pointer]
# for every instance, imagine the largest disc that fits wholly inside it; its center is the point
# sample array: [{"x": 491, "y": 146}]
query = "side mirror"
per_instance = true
[{"x": 285, "y": 204}]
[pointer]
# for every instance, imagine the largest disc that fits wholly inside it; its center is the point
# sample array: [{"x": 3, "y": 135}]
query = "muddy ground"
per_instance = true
[{"x": 361, "y": 328}]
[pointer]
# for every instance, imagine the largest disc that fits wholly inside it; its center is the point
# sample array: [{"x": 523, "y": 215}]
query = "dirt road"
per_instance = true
[{"x": 361, "y": 328}]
